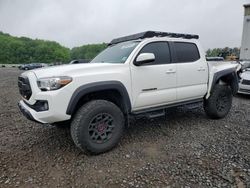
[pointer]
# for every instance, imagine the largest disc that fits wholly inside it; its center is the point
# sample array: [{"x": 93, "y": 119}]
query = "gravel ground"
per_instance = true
[{"x": 183, "y": 149}]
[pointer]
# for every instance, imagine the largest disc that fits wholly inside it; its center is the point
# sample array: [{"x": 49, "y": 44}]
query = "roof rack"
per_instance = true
[{"x": 150, "y": 34}]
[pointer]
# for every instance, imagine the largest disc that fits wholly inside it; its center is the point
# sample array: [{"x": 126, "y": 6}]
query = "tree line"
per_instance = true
[
  {"x": 22, "y": 50},
  {"x": 87, "y": 51},
  {"x": 223, "y": 52}
]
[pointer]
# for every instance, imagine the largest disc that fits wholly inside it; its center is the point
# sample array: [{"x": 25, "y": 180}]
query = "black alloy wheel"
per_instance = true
[{"x": 101, "y": 128}]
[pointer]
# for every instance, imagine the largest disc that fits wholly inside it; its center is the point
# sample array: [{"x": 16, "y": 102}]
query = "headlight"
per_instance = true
[{"x": 53, "y": 83}]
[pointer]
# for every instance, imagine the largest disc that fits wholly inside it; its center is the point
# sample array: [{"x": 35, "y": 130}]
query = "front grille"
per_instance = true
[
  {"x": 24, "y": 87},
  {"x": 245, "y": 82}
]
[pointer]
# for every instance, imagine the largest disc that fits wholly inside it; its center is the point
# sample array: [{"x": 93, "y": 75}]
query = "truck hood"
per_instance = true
[{"x": 73, "y": 69}]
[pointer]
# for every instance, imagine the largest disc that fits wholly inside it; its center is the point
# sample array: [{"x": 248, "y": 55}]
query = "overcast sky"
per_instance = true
[{"x": 77, "y": 22}]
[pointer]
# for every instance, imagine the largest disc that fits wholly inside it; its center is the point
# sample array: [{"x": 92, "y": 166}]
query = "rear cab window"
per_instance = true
[{"x": 186, "y": 52}]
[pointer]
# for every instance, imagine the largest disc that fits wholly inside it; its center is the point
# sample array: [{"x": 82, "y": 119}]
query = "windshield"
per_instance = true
[{"x": 117, "y": 53}]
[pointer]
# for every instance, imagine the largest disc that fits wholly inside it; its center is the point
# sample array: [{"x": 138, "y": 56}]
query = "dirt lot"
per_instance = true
[{"x": 183, "y": 149}]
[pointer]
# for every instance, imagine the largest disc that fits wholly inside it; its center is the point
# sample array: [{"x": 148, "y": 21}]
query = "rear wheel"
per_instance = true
[
  {"x": 219, "y": 103},
  {"x": 97, "y": 126}
]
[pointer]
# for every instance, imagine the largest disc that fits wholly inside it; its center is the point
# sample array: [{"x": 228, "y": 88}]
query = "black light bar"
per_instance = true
[{"x": 150, "y": 34}]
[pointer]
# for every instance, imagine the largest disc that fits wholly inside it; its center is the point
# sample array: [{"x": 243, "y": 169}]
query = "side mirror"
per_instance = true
[{"x": 144, "y": 58}]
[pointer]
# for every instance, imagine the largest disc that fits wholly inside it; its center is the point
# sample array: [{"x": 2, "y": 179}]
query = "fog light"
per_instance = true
[
  {"x": 39, "y": 106},
  {"x": 46, "y": 106}
]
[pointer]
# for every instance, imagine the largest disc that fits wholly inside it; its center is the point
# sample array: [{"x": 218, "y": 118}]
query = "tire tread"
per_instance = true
[
  {"x": 209, "y": 104},
  {"x": 84, "y": 111}
]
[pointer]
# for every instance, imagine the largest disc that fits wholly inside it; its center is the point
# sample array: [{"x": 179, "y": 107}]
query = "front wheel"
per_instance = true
[
  {"x": 97, "y": 126},
  {"x": 219, "y": 103}
]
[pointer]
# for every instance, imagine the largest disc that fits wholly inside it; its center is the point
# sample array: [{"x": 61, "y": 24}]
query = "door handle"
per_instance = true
[
  {"x": 170, "y": 71},
  {"x": 201, "y": 69}
]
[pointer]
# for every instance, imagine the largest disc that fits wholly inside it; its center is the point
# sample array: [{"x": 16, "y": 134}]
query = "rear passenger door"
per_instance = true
[
  {"x": 154, "y": 84},
  {"x": 192, "y": 71}
]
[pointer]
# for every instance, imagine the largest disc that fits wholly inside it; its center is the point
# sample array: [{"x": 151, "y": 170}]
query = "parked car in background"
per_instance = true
[
  {"x": 21, "y": 67},
  {"x": 215, "y": 58},
  {"x": 32, "y": 66},
  {"x": 244, "y": 85},
  {"x": 77, "y": 61},
  {"x": 244, "y": 65}
]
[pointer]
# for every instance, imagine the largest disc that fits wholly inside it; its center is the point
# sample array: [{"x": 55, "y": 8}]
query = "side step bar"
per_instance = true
[
  {"x": 156, "y": 114},
  {"x": 161, "y": 111}
]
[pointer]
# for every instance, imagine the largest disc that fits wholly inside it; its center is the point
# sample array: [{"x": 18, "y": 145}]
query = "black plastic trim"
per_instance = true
[
  {"x": 167, "y": 106},
  {"x": 95, "y": 87},
  {"x": 172, "y": 52},
  {"x": 234, "y": 85},
  {"x": 37, "y": 106},
  {"x": 24, "y": 87},
  {"x": 150, "y": 34},
  {"x": 27, "y": 114}
]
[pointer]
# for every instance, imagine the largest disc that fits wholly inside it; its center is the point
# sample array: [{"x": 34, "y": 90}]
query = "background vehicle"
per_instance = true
[
  {"x": 142, "y": 74},
  {"x": 32, "y": 66},
  {"x": 77, "y": 61},
  {"x": 244, "y": 85}
]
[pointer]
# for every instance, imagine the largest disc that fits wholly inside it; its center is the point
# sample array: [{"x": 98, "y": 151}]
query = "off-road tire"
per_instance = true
[
  {"x": 219, "y": 103},
  {"x": 82, "y": 125}
]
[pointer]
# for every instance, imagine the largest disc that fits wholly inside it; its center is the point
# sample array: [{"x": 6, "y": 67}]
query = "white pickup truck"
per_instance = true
[{"x": 141, "y": 74}]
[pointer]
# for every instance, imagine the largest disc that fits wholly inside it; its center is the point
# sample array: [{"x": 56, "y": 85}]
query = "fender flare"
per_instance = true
[
  {"x": 234, "y": 80},
  {"x": 95, "y": 87}
]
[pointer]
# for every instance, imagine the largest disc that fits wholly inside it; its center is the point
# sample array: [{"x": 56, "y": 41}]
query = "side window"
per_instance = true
[
  {"x": 160, "y": 50},
  {"x": 186, "y": 52}
]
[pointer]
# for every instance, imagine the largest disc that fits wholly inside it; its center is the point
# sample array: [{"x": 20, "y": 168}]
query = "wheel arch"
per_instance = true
[
  {"x": 113, "y": 90},
  {"x": 229, "y": 77}
]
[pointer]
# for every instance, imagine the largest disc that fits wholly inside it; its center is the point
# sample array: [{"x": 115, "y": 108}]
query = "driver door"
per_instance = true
[{"x": 154, "y": 84}]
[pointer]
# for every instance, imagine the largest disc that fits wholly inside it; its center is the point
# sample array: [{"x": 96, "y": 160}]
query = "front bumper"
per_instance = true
[
  {"x": 44, "y": 117},
  {"x": 26, "y": 113},
  {"x": 33, "y": 107}
]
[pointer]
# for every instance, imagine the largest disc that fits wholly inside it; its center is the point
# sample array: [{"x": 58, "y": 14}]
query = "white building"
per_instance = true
[{"x": 245, "y": 44}]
